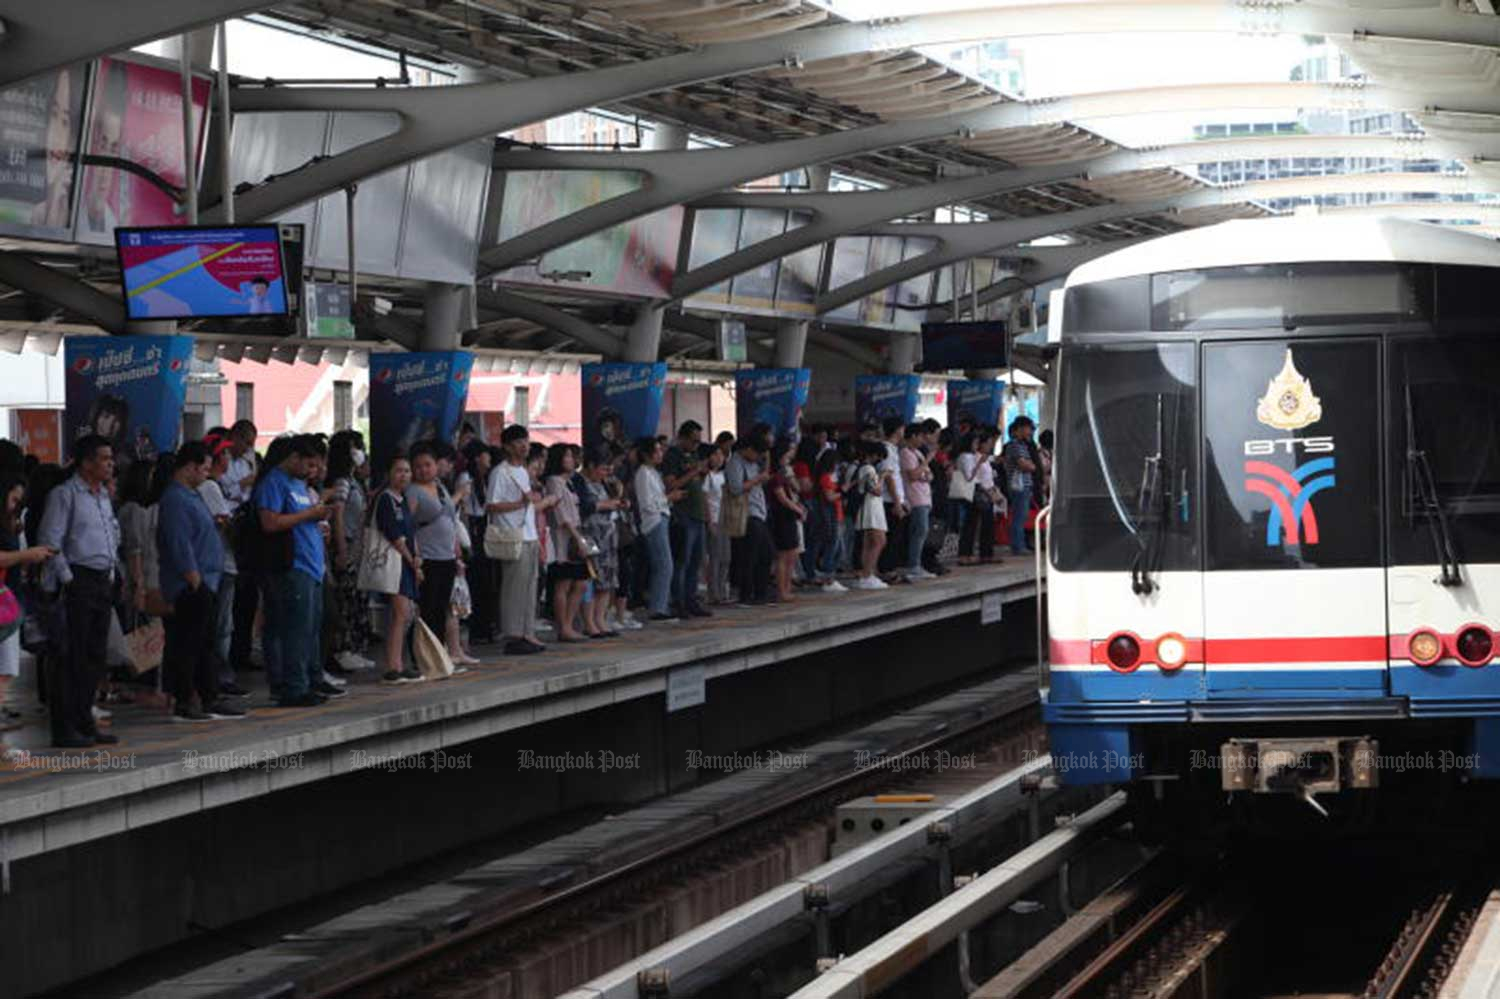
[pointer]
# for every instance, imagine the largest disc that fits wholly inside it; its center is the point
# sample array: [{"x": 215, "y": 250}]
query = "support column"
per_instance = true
[
  {"x": 448, "y": 310},
  {"x": 643, "y": 341},
  {"x": 903, "y": 354},
  {"x": 791, "y": 343}
]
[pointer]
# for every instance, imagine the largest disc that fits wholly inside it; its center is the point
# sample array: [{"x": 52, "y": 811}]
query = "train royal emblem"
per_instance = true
[{"x": 1289, "y": 403}]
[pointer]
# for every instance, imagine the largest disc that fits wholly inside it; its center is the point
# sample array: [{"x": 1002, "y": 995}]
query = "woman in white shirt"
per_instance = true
[
  {"x": 975, "y": 468},
  {"x": 869, "y": 519},
  {"x": 718, "y": 540},
  {"x": 655, "y": 506}
]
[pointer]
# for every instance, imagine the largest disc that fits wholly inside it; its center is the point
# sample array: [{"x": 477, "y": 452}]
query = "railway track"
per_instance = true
[{"x": 457, "y": 964}]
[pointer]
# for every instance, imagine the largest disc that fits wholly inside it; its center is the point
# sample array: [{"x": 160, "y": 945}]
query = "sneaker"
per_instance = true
[
  {"x": 664, "y": 618},
  {"x": 101, "y": 713},
  {"x": 917, "y": 575},
  {"x": 698, "y": 610},
  {"x": 629, "y": 623},
  {"x": 834, "y": 586},
  {"x": 232, "y": 690},
  {"x": 334, "y": 681},
  {"x": 516, "y": 647},
  {"x": 329, "y": 690},
  {"x": 308, "y": 700},
  {"x": 391, "y": 676},
  {"x": 352, "y": 662},
  {"x": 871, "y": 583},
  {"x": 411, "y": 675},
  {"x": 223, "y": 710},
  {"x": 191, "y": 715}
]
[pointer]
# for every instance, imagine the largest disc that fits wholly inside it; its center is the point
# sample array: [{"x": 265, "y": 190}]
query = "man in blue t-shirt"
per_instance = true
[{"x": 286, "y": 505}]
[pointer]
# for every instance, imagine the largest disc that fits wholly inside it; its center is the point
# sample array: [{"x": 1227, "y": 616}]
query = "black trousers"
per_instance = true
[
  {"x": 483, "y": 588},
  {"x": 754, "y": 563},
  {"x": 435, "y": 596},
  {"x": 893, "y": 555},
  {"x": 188, "y": 657},
  {"x": 980, "y": 523},
  {"x": 246, "y": 603},
  {"x": 87, "y": 603}
]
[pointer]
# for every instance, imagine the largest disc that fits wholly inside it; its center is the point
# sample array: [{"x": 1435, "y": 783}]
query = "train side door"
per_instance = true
[{"x": 1294, "y": 582}]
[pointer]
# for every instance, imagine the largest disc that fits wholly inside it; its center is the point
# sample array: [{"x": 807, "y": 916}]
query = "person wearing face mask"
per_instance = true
[{"x": 348, "y": 469}]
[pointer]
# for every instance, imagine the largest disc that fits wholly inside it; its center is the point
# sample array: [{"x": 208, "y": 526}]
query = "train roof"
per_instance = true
[{"x": 1295, "y": 239}]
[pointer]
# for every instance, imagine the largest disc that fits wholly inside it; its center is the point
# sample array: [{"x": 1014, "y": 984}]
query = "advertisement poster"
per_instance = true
[
  {"x": 877, "y": 397},
  {"x": 129, "y": 390},
  {"x": 980, "y": 401},
  {"x": 622, "y": 402},
  {"x": 38, "y": 432},
  {"x": 329, "y": 316},
  {"x": 415, "y": 397},
  {"x": 201, "y": 272},
  {"x": 775, "y": 396},
  {"x": 636, "y": 258},
  {"x": 137, "y": 116},
  {"x": 40, "y": 123}
]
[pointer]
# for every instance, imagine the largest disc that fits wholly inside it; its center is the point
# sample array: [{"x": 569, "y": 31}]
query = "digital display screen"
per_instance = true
[
  {"x": 202, "y": 272},
  {"x": 956, "y": 346}
]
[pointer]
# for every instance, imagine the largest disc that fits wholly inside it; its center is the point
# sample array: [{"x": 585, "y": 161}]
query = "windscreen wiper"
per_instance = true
[
  {"x": 1152, "y": 502},
  {"x": 1422, "y": 494}
]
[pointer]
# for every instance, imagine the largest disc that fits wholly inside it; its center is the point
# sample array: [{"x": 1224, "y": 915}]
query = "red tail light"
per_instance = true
[
  {"x": 1475, "y": 645},
  {"x": 1124, "y": 653}
]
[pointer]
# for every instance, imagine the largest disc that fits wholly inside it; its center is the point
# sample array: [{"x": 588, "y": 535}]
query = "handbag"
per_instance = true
[
  {"x": 734, "y": 514},
  {"x": 379, "y": 564},
  {"x": 462, "y": 600},
  {"x": 144, "y": 646},
  {"x": 432, "y": 658},
  {"x": 10, "y": 613},
  {"x": 960, "y": 486},
  {"x": 502, "y": 542}
]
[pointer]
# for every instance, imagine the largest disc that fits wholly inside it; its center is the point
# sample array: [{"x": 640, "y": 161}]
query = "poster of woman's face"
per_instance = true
[{"x": 38, "y": 152}]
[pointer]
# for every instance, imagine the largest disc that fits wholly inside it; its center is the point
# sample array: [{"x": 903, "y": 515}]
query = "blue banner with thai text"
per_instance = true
[
  {"x": 773, "y": 396},
  {"x": 980, "y": 402},
  {"x": 879, "y": 397},
  {"x": 415, "y": 397},
  {"x": 130, "y": 390},
  {"x": 622, "y": 402}
]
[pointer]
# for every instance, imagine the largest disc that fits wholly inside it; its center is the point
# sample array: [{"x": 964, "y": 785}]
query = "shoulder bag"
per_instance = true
[{"x": 379, "y": 562}]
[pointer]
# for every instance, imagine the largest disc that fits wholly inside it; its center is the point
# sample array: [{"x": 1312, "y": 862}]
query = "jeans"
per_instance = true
[
  {"x": 658, "y": 546},
  {"x": 833, "y": 556},
  {"x": 224, "y": 629},
  {"x": 687, "y": 560},
  {"x": 918, "y": 522},
  {"x": 188, "y": 659},
  {"x": 295, "y": 604},
  {"x": 1020, "y": 510}
]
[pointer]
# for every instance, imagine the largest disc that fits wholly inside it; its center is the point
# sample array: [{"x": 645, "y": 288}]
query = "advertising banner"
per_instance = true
[
  {"x": 38, "y": 432},
  {"x": 40, "y": 122},
  {"x": 980, "y": 401},
  {"x": 137, "y": 116},
  {"x": 877, "y": 397},
  {"x": 622, "y": 402},
  {"x": 415, "y": 397},
  {"x": 771, "y": 395},
  {"x": 129, "y": 390},
  {"x": 636, "y": 258}
]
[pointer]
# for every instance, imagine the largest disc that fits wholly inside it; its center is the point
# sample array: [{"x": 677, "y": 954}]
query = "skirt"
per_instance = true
[
  {"x": 784, "y": 534},
  {"x": 871, "y": 515}
]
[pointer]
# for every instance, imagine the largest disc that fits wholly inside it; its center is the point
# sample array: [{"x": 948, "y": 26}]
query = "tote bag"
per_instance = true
[
  {"x": 379, "y": 564},
  {"x": 432, "y": 658},
  {"x": 734, "y": 514}
]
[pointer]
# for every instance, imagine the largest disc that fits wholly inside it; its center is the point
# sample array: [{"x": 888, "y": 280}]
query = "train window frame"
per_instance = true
[
  {"x": 1094, "y": 544},
  {"x": 1260, "y": 286},
  {"x": 1473, "y": 519}
]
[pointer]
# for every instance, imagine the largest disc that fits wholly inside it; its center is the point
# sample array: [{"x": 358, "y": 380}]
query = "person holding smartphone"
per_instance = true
[{"x": 15, "y": 556}]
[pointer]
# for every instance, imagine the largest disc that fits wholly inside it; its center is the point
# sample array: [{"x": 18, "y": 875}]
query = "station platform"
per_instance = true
[{"x": 187, "y": 794}]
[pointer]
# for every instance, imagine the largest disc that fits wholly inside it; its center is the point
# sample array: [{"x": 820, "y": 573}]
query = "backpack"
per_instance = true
[{"x": 254, "y": 549}]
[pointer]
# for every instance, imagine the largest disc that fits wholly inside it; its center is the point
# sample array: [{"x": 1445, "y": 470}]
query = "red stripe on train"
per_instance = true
[{"x": 1239, "y": 651}]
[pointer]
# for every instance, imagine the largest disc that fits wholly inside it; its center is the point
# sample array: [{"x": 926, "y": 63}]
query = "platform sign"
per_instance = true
[
  {"x": 980, "y": 402},
  {"x": 415, "y": 397},
  {"x": 687, "y": 687},
  {"x": 329, "y": 316},
  {"x": 991, "y": 608},
  {"x": 40, "y": 125},
  {"x": 878, "y": 397},
  {"x": 732, "y": 341},
  {"x": 622, "y": 401},
  {"x": 129, "y": 390},
  {"x": 774, "y": 396},
  {"x": 38, "y": 432}
]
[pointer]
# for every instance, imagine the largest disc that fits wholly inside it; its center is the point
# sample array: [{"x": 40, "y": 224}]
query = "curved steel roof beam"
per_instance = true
[{"x": 437, "y": 118}]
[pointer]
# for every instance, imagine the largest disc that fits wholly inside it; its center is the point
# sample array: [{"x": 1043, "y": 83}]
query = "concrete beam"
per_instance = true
[
  {"x": 1036, "y": 265},
  {"x": 62, "y": 290},
  {"x": 512, "y": 304},
  {"x": 38, "y": 37},
  {"x": 437, "y": 118}
]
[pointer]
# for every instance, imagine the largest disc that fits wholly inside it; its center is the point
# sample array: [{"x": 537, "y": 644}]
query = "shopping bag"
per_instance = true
[{"x": 432, "y": 658}]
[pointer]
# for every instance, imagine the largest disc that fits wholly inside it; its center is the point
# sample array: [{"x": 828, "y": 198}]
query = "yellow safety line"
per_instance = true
[{"x": 183, "y": 270}]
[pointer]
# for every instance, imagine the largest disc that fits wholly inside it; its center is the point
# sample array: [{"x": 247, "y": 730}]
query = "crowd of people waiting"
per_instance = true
[{"x": 284, "y": 562}]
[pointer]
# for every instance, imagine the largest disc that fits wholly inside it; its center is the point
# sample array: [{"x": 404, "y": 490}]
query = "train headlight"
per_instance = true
[
  {"x": 1123, "y": 652},
  {"x": 1475, "y": 645},
  {"x": 1424, "y": 648},
  {"x": 1171, "y": 652}
]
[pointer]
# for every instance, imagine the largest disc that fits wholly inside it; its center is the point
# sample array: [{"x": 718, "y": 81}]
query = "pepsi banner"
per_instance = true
[
  {"x": 980, "y": 402},
  {"x": 415, "y": 397},
  {"x": 775, "y": 396},
  {"x": 622, "y": 401},
  {"x": 130, "y": 390},
  {"x": 878, "y": 397}
]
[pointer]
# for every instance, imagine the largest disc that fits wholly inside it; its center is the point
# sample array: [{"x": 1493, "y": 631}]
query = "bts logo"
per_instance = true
[
  {"x": 1311, "y": 445},
  {"x": 1292, "y": 519}
]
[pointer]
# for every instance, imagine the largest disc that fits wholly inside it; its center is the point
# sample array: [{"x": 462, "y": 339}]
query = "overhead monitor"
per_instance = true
[
  {"x": 960, "y": 346},
  {"x": 202, "y": 272}
]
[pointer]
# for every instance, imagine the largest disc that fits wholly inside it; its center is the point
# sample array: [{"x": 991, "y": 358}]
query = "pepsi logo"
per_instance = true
[
  {"x": 176, "y": 365},
  {"x": 83, "y": 364},
  {"x": 384, "y": 375},
  {"x": 596, "y": 379}
]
